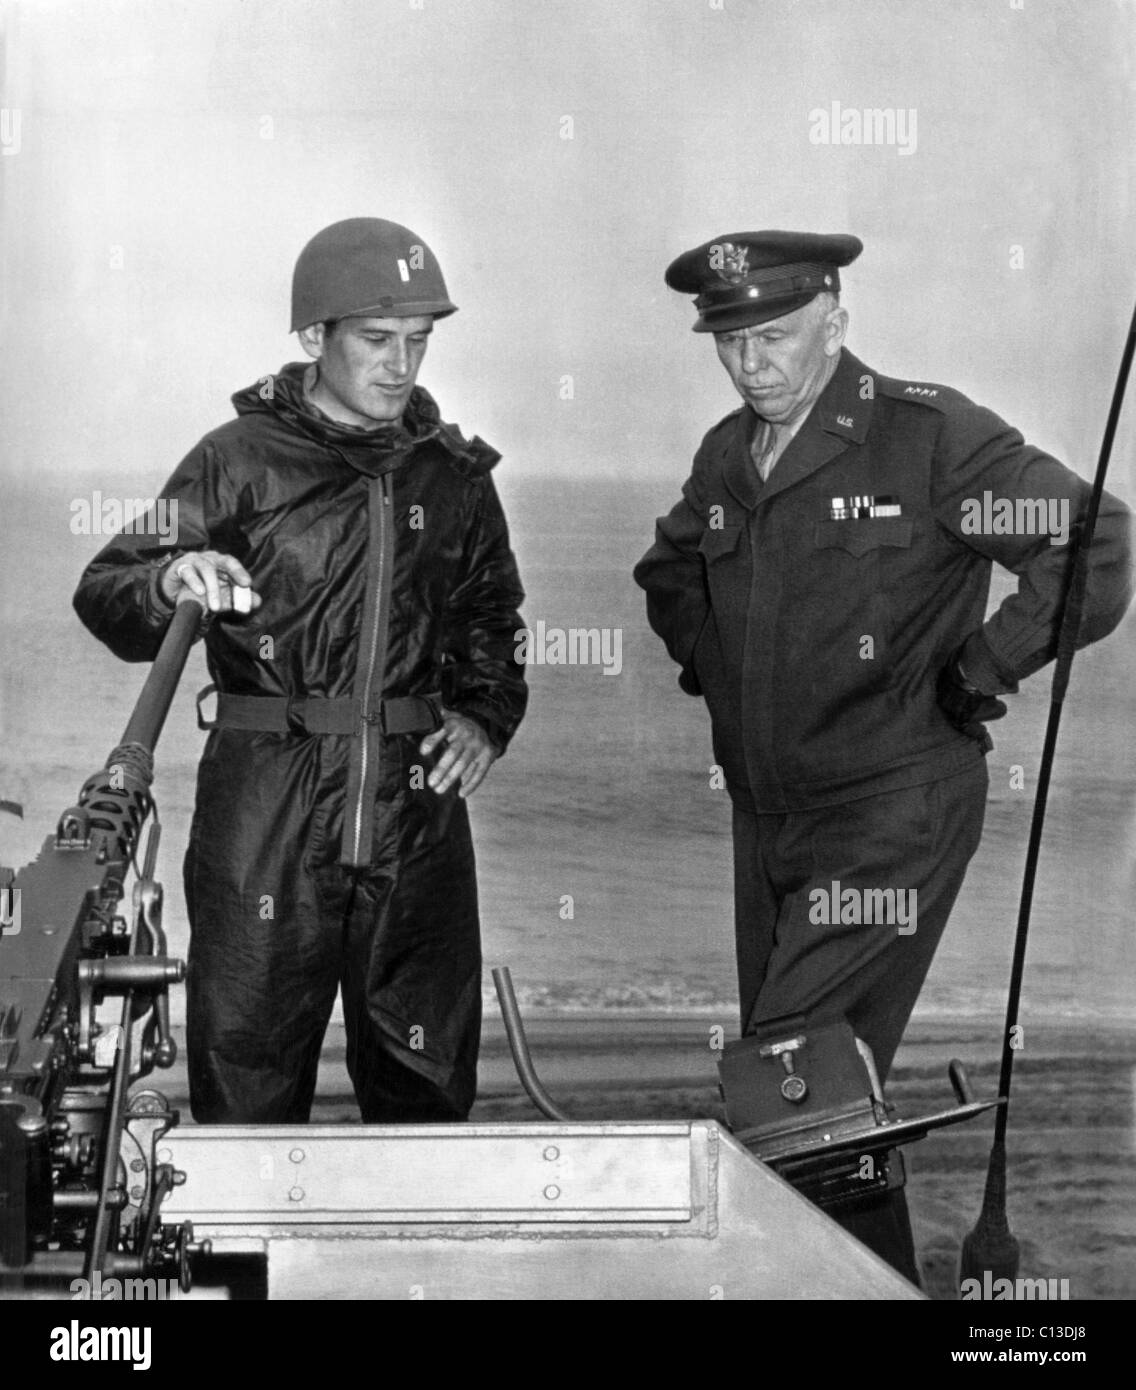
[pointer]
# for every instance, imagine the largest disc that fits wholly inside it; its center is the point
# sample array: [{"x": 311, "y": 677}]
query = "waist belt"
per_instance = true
[{"x": 278, "y": 714}]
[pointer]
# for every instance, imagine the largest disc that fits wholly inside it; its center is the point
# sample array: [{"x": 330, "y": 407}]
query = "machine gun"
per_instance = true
[{"x": 81, "y": 1186}]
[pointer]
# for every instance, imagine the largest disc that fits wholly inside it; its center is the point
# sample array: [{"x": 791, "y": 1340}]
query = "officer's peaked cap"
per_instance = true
[
  {"x": 366, "y": 265},
  {"x": 744, "y": 278}
]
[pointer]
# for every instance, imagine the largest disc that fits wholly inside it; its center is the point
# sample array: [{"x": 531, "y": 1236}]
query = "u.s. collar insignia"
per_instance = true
[{"x": 729, "y": 262}]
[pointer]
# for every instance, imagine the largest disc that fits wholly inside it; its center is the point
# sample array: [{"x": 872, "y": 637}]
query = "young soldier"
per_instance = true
[{"x": 362, "y": 602}]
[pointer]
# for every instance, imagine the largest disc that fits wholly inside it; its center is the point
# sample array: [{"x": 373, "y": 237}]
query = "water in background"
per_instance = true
[{"x": 605, "y": 795}]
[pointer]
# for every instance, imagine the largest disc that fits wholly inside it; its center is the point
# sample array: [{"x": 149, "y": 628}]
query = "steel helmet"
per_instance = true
[{"x": 366, "y": 265}]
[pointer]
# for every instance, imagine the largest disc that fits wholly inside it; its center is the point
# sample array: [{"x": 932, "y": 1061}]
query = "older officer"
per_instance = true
[
  {"x": 355, "y": 558},
  {"x": 823, "y": 584}
]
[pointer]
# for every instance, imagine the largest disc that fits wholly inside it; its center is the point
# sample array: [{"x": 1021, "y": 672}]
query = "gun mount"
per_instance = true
[{"x": 80, "y": 1184}]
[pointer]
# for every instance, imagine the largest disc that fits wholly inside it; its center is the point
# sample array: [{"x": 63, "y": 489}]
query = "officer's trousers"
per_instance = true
[{"x": 916, "y": 840}]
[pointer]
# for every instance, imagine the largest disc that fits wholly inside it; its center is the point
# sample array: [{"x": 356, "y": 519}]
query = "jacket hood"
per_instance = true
[{"x": 283, "y": 397}]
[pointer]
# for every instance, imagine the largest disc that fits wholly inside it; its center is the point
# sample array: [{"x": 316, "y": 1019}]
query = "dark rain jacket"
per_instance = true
[
  {"x": 383, "y": 562},
  {"x": 816, "y": 638}
]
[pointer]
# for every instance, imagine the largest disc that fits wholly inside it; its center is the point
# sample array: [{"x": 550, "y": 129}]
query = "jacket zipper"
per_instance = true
[{"x": 371, "y": 733}]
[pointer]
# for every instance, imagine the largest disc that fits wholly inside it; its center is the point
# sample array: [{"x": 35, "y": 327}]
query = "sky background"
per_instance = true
[{"x": 165, "y": 161}]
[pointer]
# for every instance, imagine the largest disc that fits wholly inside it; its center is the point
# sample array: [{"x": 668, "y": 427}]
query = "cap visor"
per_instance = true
[{"x": 750, "y": 312}]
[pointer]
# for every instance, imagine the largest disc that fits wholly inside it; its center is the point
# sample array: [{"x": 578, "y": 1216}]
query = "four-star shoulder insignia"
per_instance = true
[{"x": 929, "y": 393}]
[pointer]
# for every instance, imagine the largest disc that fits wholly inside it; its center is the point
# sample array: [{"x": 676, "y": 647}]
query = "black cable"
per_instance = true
[{"x": 1068, "y": 632}]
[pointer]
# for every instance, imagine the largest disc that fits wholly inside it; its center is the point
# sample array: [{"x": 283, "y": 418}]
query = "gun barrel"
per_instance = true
[{"x": 156, "y": 696}]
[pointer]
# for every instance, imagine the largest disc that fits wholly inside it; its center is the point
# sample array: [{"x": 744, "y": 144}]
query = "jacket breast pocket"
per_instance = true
[
  {"x": 718, "y": 542},
  {"x": 867, "y": 534}
]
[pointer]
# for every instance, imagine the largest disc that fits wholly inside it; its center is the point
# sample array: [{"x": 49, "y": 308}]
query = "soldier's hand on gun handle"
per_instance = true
[
  {"x": 468, "y": 757},
  {"x": 221, "y": 583}
]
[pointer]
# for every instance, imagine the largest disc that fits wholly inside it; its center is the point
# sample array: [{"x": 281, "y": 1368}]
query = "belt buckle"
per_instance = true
[
  {"x": 434, "y": 705},
  {"x": 202, "y": 695},
  {"x": 293, "y": 717}
]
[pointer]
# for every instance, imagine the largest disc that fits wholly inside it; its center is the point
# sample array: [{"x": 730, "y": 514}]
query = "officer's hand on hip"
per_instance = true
[
  {"x": 214, "y": 578},
  {"x": 963, "y": 703},
  {"x": 468, "y": 757}
]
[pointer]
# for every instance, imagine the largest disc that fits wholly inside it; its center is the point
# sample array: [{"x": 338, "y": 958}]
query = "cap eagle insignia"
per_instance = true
[{"x": 730, "y": 262}]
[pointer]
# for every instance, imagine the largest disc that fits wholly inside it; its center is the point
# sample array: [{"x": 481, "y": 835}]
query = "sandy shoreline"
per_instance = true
[{"x": 1072, "y": 1180}]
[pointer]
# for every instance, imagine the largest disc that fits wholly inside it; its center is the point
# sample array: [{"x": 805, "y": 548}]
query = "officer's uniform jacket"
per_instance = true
[{"x": 816, "y": 640}]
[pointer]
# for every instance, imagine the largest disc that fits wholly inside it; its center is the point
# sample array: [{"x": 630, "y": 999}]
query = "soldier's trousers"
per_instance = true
[
  {"x": 403, "y": 944},
  {"x": 916, "y": 840}
]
